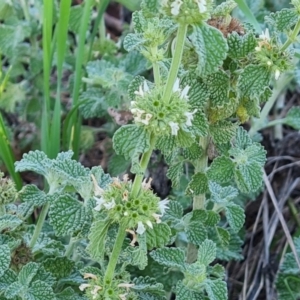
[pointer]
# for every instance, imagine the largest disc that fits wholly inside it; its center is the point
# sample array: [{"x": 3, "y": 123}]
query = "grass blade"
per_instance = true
[{"x": 243, "y": 6}]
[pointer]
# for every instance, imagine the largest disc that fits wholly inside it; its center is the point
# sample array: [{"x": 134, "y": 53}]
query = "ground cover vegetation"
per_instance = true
[{"x": 131, "y": 146}]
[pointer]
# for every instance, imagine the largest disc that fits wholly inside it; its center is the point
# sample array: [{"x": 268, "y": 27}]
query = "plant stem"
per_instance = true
[
  {"x": 39, "y": 225},
  {"x": 258, "y": 124},
  {"x": 136, "y": 186},
  {"x": 199, "y": 200},
  {"x": 115, "y": 255},
  {"x": 180, "y": 38},
  {"x": 292, "y": 37},
  {"x": 70, "y": 247}
]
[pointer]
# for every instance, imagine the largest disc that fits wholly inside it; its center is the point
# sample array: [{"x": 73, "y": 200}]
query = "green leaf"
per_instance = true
[
  {"x": 198, "y": 185},
  {"x": 223, "y": 237},
  {"x": 76, "y": 14},
  {"x": 287, "y": 281},
  {"x": 194, "y": 152},
  {"x": 211, "y": 47},
  {"x": 4, "y": 258},
  {"x": 183, "y": 293},
  {"x": 216, "y": 289},
  {"x": 102, "y": 178},
  {"x": 68, "y": 294},
  {"x": 67, "y": 215},
  {"x": 253, "y": 80},
  {"x": 130, "y": 141},
  {"x": 196, "y": 232},
  {"x": 159, "y": 236},
  {"x": 231, "y": 250},
  {"x": 283, "y": 20},
  {"x": 13, "y": 94},
  {"x": 13, "y": 290},
  {"x": 248, "y": 177},
  {"x": 235, "y": 216},
  {"x": 93, "y": 103},
  {"x": 166, "y": 144},
  {"x": 148, "y": 285},
  {"x": 213, "y": 218},
  {"x": 174, "y": 213},
  {"x": 133, "y": 41},
  {"x": 31, "y": 194},
  {"x": 198, "y": 92},
  {"x": 170, "y": 257},
  {"x": 35, "y": 161},
  {"x": 218, "y": 86},
  {"x": 9, "y": 222},
  {"x": 59, "y": 267},
  {"x": 117, "y": 165},
  {"x": 293, "y": 118},
  {"x": 221, "y": 194},
  {"x": 200, "y": 124},
  {"x": 241, "y": 45},
  {"x": 223, "y": 131},
  {"x": 27, "y": 273},
  {"x": 242, "y": 139},
  {"x": 175, "y": 172},
  {"x": 207, "y": 252},
  {"x": 11, "y": 37},
  {"x": 39, "y": 290},
  {"x": 221, "y": 170},
  {"x": 97, "y": 237},
  {"x": 7, "y": 278},
  {"x": 134, "y": 86}
]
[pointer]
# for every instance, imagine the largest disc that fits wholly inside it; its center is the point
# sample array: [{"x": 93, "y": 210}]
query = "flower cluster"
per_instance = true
[
  {"x": 268, "y": 52},
  {"x": 159, "y": 116},
  {"x": 96, "y": 289},
  {"x": 8, "y": 190},
  {"x": 188, "y": 11},
  {"x": 136, "y": 213}
]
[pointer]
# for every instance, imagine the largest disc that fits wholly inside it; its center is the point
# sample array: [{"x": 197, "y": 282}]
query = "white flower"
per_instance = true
[
  {"x": 157, "y": 218},
  {"x": 174, "y": 128},
  {"x": 146, "y": 87},
  {"x": 163, "y": 205},
  {"x": 149, "y": 224},
  {"x": 99, "y": 202},
  {"x": 97, "y": 189},
  {"x": 176, "y": 86},
  {"x": 184, "y": 93},
  {"x": 110, "y": 205},
  {"x": 265, "y": 35},
  {"x": 140, "y": 92},
  {"x": 277, "y": 74},
  {"x": 133, "y": 103},
  {"x": 175, "y": 7},
  {"x": 84, "y": 286},
  {"x": 269, "y": 63},
  {"x": 146, "y": 120},
  {"x": 189, "y": 117},
  {"x": 141, "y": 228},
  {"x": 95, "y": 291},
  {"x": 257, "y": 48},
  {"x": 201, "y": 5}
]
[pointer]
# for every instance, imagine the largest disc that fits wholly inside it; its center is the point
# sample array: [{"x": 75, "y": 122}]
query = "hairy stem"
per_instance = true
[
  {"x": 292, "y": 37},
  {"x": 39, "y": 224},
  {"x": 109, "y": 274},
  {"x": 144, "y": 163},
  {"x": 180, "y": 38},
  {"x": 199, "y": 200}
]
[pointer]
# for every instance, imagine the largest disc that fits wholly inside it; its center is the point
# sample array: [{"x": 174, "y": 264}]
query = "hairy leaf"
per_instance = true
[
  {"x": 130, "y": 141},
  {"x": 211, "y": 48},
  {"x": 170, "y": 257}
]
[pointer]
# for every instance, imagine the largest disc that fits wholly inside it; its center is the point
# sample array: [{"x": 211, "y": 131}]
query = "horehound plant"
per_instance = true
[{"x": 211, "y": 73}]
